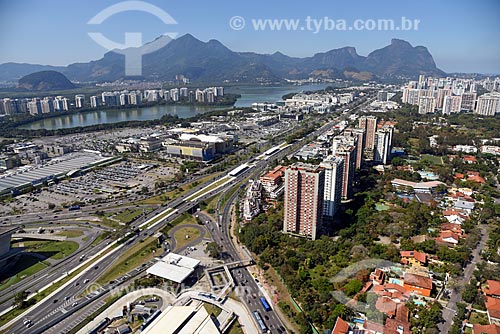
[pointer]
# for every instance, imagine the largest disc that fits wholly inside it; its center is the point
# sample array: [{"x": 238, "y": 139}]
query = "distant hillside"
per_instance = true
[
  {"x": 14, "y": 71},
  {"x": 45, "y": 80},
  {"x": 212, "y": 62}
]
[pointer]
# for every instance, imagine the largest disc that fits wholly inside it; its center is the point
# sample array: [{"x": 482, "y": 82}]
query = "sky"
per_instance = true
[{"x": 461, "y": 35}]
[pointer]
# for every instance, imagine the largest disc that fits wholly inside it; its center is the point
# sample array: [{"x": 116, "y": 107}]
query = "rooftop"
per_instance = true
[
  {"x": 174, "y": 267},
  {"x": 418, "y": 280},
  {"x": 55, "y": 167},
  {"x": 493, "y": 288},
  {"x": 490, "y": 329},
  {"x": 183, "y": 320}
]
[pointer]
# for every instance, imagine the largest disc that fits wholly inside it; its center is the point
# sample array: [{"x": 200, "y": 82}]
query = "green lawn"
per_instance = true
[
  {"x": 26, "y": 266},
  {"x": 211, "y": 203},
  {"x": 71, "y": 233},
  {"x": 132, "y": 258},
  {"x": 432, "y": 158},
  {"x": 129, "y": 215},
  {"x": 180, "y": 236},
  {"x": 56, "y": 250},
  {"x": 478, "y": 318}
]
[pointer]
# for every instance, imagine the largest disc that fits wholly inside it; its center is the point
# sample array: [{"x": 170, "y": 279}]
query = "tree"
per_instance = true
[
  {"x": 213, "y": 249},
  {"x": 353, "y": 287},
  {"x": 470, "y": 291},
  {"x": 51, "y": 206}
]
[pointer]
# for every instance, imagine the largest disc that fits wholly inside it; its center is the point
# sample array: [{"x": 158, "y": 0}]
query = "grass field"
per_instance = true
[
  {"x": 211, "y": 203},
  {"x": 180, "y": 236},
  {"x": 432, "y": 158},
  {"x": 71, "y": 233},
  {"x": 129, "y": 215},
  {"x": 26, "y": 266},
  {"x": 56, "y": 250},
  {"x": 478, "y": 318},
  {"x": 132, "y": 258}
]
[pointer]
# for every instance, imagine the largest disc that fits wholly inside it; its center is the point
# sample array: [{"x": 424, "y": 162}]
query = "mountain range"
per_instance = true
[{"x": 213, "y": 62}]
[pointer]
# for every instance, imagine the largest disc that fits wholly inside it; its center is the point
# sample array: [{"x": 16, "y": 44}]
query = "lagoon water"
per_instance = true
[{"x": 249, "y": 95}]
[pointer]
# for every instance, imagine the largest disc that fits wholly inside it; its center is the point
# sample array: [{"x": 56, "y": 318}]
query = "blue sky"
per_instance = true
[{"x": 461, "y": 35}]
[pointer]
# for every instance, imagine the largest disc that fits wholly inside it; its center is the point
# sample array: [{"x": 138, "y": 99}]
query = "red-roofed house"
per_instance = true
[
  {"x": 448, "y": 237},
  {"x": 386, "y": 306},
  {"x": 341, "y": 327},
  {"x": 413, "y": 258},
  {"x": 372, "y": 327},
  {"x": 400, "y": 323},
  {"x": 421, "y": 285},
  {"x": 493, "y": 308},
  {"x": 476, "y": 178},
  {"x": 469, "y": 159},
  {"x": 493, "y": 289},
  {"x": 486, "y": 329},
  {"x": 455, "y": 228},
  {"x": 272, "y": 182},
  {"x": 455, "y": 216},
  {"x": 395, "y": 292},
  {"x": 393, "y": 326}
]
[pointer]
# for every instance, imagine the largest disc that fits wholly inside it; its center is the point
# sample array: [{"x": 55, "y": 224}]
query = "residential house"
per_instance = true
[
  {"x": 448, "y": 237},
  {"x": 378, "y": 276},
  {"x": 341, "y": 327},
  {"x": 486, "y": 329},
  {"x": 419, "y": 284},
  {"x": 492, "y": 301},
  {"x": 413, "y": 258}
]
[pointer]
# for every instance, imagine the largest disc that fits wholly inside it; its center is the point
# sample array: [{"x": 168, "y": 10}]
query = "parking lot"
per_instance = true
[{"x": 112, "y": 183}]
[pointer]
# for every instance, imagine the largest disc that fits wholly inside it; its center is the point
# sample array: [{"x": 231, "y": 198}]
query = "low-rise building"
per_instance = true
[
  {"x": 272, "y": 182},
  {"x": 419, "y": 284},
  {"x": 413, "y": 258}
]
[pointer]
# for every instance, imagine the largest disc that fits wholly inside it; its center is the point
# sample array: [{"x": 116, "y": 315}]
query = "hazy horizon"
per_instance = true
[{"x": 459, "y": 35}]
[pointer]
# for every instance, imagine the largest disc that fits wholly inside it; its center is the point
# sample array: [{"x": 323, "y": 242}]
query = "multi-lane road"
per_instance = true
[{"x": 55, "y": 309}]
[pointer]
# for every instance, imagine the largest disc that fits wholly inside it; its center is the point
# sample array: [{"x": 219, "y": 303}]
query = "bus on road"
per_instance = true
[
  {"x": 264, "y": 303},
  {"x": 259, "y": 320}
]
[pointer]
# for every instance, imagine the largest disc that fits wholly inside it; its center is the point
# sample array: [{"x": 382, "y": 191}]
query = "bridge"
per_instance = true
[{"x": 39, "y": 236}]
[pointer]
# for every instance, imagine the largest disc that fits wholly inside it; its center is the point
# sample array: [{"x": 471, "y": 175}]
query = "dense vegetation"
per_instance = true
[{"x": 45, "y": 80}]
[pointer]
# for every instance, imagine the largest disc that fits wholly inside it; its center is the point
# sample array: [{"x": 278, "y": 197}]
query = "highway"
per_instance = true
[
  {"x": 49, "y": 312},
  {"x": 40, "y": 279}
]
